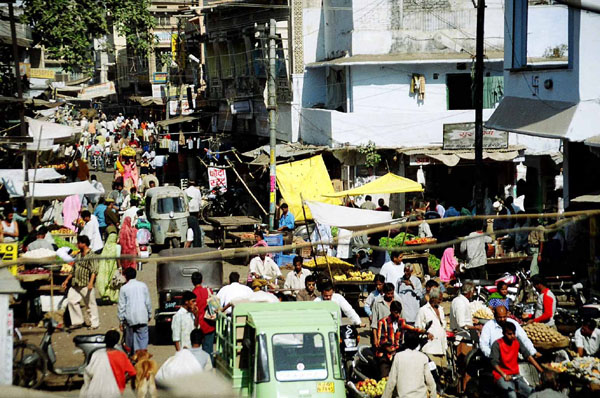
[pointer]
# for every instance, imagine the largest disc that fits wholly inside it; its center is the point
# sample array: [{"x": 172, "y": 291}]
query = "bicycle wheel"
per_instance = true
[{"x": 29, "y": 365}]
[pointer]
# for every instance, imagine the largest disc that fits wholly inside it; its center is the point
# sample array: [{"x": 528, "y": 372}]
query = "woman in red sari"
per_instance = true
[{"x": 128, "y": 242}]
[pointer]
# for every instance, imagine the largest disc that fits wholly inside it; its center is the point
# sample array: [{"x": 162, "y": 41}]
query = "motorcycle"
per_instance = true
[
  {"x": 31, "y": 363},
  {"x": 349, "y": 339},
  {"x": 220, "y": 202},
  {"x": 519, "y": 286}
]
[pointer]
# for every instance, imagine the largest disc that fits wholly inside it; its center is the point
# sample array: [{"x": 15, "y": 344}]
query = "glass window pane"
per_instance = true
[
  {"x": 299, "y": 356},
  {"x": 262, "y": 360}
]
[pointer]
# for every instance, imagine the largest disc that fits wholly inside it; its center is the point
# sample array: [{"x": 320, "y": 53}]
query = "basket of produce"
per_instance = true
[
  {"x": 420, "y": 241},
  {"x": 545, "y": 337},
  {"x": 372, "y": 388},
  {"x": 353, "y": 276},
  {"x": 584, "y": 368},
  {"x": 323, "y": 261},
  {"x": 481, "y": 312}
]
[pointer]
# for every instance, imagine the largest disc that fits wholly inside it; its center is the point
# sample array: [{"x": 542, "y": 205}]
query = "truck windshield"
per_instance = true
[
  {"x": 167, "y": 205},
  {"x": 299, "y": 356}
]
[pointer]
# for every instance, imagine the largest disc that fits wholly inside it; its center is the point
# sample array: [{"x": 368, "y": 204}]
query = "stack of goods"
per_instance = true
[
  {"x": 481, "y": 311},
  {"x": 352, "y": 276},
  {"x": 545, "y": 337},
  {"x": 397, "y": 241},
  {"x": 371, "y": 387},
  {"x": 587, "y": 368}
]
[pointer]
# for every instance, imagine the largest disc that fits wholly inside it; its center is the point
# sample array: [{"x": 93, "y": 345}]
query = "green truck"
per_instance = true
[{"x": 288, "y": 349}]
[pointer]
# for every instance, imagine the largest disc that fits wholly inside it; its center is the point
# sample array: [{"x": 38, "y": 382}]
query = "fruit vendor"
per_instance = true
[
  {"x": 587, "y": 339},
  {"x": 546, "y": 304}
]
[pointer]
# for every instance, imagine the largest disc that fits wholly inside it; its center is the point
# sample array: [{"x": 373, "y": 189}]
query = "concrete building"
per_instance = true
[
  {"x": 560, "y": 97},
  {"x": 236, "y": 52}
]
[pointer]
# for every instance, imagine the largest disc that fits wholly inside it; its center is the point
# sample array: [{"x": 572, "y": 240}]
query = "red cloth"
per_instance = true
[
  {"x": 548, "y": 305},
  {"x": 202, "y": 294},
  {"x": 120, "y": 365},
  {"x": 509, "y": 358}
]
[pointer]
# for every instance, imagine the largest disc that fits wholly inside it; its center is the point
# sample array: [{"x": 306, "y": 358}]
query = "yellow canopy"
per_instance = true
[
  {"x": 389, "y": 183},
  {"x": 308, "y": 177}
]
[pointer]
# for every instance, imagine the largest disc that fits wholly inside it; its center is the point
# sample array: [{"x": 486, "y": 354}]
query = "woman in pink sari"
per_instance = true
[
  {"x": 448, "y": 265},
  {"x": 128, "y": 242},
  {"x": 130, "y": 174}
]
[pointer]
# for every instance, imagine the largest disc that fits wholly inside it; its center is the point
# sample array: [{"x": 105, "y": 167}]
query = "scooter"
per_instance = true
[{"x": 31, "y": 363}]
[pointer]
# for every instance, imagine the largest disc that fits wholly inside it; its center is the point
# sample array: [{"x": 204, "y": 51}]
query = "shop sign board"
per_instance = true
[
  {"x": 9, "y": 251},
  {"x": 419, "y": 160},
  {"x": 160, "y": 77},
  {"x": 217, "y": 178},
  {"x": 98, "y": 90},
  {"x": 39, "y": 73},
  {"x": 462, "y": 136}
]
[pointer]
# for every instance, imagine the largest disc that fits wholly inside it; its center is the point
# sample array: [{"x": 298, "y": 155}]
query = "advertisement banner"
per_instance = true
[
  {"x": 185, "y": 108},
  {"x": 462, "y": 136},
  {"x": 39, "y": 73},
  {"x": 98, "y": 90},
  {"x": 160, "y": 77},
  {"x": 217, "y": 178},
  {"x": 158, "y": 90}
]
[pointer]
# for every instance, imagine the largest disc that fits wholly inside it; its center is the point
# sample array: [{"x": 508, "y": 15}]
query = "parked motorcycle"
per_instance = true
[
  {"x": 219, "y": 202},
  {"x": 31, "y": 363},
  {"x": 349, "y": 339}
]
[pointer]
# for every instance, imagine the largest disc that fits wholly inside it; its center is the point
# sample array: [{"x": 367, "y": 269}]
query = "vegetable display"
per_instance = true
[
  {"x": 544, "y": 336},
  {"x": 397, "y": 241},
  {"x": 433, "y": 262},
  {"x": 587, "y": 368},
  {"x": 420, "y": 241}
]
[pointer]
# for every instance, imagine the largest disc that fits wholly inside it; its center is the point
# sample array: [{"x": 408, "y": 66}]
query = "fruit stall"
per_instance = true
[
  {"x": 413, "y": 252},
  {"x": 369, "y": 388},
  {"x": 581, "y": 375}
]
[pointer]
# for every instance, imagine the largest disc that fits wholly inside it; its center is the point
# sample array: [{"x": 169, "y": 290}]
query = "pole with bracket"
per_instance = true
[
  {"x": 479, "y": 107},
  {"x": 272, "y": 107}
]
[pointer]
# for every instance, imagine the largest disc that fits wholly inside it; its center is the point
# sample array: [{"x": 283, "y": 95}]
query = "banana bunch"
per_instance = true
[{"x": 322, "y": 261}]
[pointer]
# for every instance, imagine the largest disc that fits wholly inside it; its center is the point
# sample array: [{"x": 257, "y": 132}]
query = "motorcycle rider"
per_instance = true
[{"x": 492, "y": 331}]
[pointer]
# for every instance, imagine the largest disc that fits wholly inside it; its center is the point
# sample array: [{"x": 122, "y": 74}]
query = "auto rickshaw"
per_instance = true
[
  {"x": 167, "y": 211},
  {"x": 175, "y": 277}
]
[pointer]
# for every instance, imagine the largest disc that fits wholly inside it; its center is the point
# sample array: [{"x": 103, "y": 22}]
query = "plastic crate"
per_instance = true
[
  {"x": 284, "y": 259},
  {"x": 274, "y": 239}
]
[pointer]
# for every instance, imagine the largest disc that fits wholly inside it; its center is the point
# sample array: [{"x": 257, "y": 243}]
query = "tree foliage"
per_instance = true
[{"x": 67, "y": 28}]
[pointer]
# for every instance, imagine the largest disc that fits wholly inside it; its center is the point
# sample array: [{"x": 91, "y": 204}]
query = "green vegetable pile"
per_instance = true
[
  {"x": 60, "y": 242},
  {"x": 433, "y": 262},
  {"x": 396, "y": 241}
]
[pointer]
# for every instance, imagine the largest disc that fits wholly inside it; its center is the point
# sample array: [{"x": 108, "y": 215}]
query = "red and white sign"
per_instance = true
[{"x": 217, "y": 178}]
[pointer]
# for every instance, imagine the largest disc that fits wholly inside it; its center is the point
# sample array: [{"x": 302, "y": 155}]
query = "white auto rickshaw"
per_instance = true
[{"x": 167, "y": 210}]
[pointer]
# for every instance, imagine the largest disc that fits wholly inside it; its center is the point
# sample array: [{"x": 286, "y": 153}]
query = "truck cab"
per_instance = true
[{"x": 288, "y": 349}]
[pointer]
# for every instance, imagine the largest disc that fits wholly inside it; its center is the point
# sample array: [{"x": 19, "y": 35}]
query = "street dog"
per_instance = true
[{"x": 146, "y": 368}]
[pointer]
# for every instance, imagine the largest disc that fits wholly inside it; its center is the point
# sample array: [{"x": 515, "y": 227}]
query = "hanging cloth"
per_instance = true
[
  {"x": 421, "y": 176},
  {"x": 421, "y": 87}
]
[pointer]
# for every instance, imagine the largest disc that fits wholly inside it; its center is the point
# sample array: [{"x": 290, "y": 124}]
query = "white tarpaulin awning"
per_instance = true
[
  {"x": 46, "y": 134},
  {"x": 543, "y": 118},
  {"x": 13, "y": 178},
  {"x": 57, "y": 191},
  {"x": 348, "y": 217}
]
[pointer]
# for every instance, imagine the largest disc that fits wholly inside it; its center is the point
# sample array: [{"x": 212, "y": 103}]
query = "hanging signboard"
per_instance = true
[
  {"x": 462, "y": 136},
  {"x": 160, "y": 77},
  {"x": 217, "y": 178},
  {"x": 39, "y": 73},
  {"x": 419, "y": 160}
]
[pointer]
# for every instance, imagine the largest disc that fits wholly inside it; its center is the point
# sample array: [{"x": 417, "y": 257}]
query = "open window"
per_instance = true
[{"x": 540, "y": 34}]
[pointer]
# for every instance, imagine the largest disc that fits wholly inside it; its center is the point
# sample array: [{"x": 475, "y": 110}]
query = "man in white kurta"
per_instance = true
[{"x": 263, "y": 267}]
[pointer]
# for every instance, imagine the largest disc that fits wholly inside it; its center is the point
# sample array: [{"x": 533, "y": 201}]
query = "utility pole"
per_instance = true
[
  {"x": 272, "y": 90},
  {"x": 21, "y": 105},
  {"x": 479, "y": 175}
]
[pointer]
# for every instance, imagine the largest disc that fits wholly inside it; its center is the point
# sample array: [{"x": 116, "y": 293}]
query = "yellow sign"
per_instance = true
[
  {"x": 40, "y": 73},
  {"x": 309, "y": 178},
  {"x": 325, "y": 387},
  {"x": 9, "y": 252}
]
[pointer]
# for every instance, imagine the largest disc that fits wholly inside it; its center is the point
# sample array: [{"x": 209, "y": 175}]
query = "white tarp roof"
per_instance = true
[
  {"x": 13, "y": 178},
  {"x": 57, "y": 191},
  {"x": 50, "y": 133},
  {"x": 348, "y": 217}
]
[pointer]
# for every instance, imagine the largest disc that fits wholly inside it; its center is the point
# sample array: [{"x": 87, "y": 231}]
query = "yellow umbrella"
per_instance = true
[{"x": 389, "y": 183}]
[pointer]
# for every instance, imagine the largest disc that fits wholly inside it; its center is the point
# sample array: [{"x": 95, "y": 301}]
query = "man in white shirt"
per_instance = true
[
  {"x": 393, "y": 270},
  {"x": 432, "y": 311},
  {"x": 232, "y": 291},
  {"x": 461, "y": 317},
  {"x": 195, "y": 198},
  {"x": 327, "y": 294},
  {"x": 475, "y": 246},
  {"x": 410, "y": 375},
  {"x": 98, "y": 186},
  {"x": 131, "y": 212},
  {"x": 263, "y": 267},
  {"x": 92, "y": 231},
  {"x": 587, "y": 339},
  {"x": 295, "y": 278},
  {"x": 184, "y": 321},
  {"x": 492, "y": 331}
]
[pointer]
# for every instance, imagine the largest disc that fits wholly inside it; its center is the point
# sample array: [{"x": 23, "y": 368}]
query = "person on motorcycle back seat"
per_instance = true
[{"x": 388, "y": 337}]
